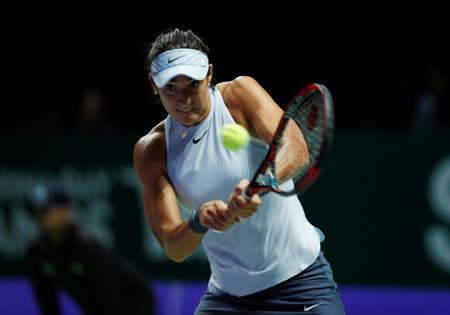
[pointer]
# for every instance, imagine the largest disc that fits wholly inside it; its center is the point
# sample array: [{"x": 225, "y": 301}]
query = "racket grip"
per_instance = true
[
  {"x": 261, "y": 186},
  {"x": 247, "y": 195},
  {"x": 250, "y": 191}
]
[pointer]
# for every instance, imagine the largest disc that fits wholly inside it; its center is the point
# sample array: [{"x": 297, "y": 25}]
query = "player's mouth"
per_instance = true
[{"x": 185, "y": 110}]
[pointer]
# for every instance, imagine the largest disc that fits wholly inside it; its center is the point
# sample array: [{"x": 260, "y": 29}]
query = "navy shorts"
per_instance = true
[{"x": 312, "y": 291}]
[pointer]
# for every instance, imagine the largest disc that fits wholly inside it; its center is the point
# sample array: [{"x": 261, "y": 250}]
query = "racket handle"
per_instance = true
[
  {"x": 252, "y": 190},
  {"x": 247, "y": 195},
  {"x": 263, "y": 184}
]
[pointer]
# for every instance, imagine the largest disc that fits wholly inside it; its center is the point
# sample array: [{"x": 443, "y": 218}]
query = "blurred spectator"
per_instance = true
[
  {"x": 431, "y": 108},
  {"x": 93, "y": 117},
  {"x": 64, "y": 256}
]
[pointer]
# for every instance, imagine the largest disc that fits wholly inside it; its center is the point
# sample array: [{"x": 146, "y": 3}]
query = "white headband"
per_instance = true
[{"x": 183, "y": 61}]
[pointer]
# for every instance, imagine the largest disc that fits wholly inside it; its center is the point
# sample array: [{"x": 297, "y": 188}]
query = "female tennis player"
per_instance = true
[{"x": 265, "y": 256}]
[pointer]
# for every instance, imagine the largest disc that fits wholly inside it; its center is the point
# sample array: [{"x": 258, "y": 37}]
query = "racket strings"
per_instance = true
[
  {"x": 310, "y": 118},
  {"x": 307, "y": 113},
  {"x": 311, "y": 111},
  {"x": 287, "y": 160}
]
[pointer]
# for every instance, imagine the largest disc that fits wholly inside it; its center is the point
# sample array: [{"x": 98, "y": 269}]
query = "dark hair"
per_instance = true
[{"x": 173, "y": 39}]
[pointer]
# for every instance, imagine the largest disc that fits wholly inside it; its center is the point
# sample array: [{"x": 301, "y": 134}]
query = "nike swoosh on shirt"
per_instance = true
[
  {"x": 197, "y": 140},
  {"x": 308, "y": 308}
]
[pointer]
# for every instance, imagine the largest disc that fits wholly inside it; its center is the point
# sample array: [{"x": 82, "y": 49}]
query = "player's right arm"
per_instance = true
[{"x": 160, "y": 203}]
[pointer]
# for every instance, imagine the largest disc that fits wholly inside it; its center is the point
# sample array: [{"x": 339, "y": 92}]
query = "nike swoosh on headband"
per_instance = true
[{"x": 173, "y": 59}]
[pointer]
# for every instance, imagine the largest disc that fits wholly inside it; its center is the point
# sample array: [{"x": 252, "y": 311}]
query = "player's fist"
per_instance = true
[
  {"x": 216, "y": 215},
  {"x": 240, "y": 206}
]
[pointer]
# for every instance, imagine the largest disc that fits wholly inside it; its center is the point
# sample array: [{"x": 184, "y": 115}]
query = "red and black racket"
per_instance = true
[{"x": 311, "y": 109}]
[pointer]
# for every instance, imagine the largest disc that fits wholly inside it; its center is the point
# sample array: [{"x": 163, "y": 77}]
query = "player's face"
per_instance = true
[{"x": 186, "y": 100}]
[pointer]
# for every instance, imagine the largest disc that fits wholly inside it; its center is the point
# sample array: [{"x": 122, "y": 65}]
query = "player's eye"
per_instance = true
[
  {"x": 194, "y": 84},
  {"x": 169, "y": 87}
]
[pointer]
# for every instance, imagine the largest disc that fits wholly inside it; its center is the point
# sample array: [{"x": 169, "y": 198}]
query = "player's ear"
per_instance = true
[
  {"x": 152, "y": 83},
  {"x": 209, "y": 75}
]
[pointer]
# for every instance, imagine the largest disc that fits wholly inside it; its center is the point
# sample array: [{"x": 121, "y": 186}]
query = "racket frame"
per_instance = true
[{"x": 264, "y": 180}]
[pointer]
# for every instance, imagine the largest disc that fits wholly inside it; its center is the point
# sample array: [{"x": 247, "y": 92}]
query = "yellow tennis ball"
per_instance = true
[{"x": 234, "y": 136}]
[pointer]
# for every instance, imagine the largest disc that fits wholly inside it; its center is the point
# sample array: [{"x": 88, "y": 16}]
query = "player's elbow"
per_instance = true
[
  {"x": 175, "y": 252},
  {"x": 176, "y": 257},
  {"x": 175, "y": 244}
]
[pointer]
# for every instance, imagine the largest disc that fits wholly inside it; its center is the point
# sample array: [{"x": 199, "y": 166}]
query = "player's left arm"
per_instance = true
[{"x": 252, "y": 106}]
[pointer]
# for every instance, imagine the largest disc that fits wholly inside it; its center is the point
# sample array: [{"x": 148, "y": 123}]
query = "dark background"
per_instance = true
[{"x": 374, "y": 59}]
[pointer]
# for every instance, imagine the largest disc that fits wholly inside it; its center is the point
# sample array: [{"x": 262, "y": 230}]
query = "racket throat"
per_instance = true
[{"x": 268, "y": 180}]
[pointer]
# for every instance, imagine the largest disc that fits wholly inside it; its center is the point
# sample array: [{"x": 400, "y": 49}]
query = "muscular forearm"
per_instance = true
[
  {"x": 179, "y": 242},
  {"x": 292, "y": 155}
]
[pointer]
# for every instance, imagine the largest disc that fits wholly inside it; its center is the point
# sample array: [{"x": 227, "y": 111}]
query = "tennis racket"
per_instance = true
[{"x": 311, "y": 109}]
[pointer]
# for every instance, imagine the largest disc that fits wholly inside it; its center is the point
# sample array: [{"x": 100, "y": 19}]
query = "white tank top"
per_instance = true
[{"x": 274, "y": 244}]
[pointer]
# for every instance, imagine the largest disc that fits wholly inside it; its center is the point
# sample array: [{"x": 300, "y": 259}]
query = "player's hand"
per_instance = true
[
  {"x": 240, "y": 206},
  {"x": 216, "y": 216}
]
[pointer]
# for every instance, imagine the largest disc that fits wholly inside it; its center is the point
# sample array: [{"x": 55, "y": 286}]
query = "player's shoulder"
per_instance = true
[
  {"x": 237, "y": 85},
  {"x": 240, "y": 90},
  {"x": 154, "y": 140},
  {"x": 241, "y": 96},
  {"x": 149, "y": 150}
]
